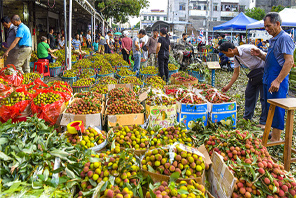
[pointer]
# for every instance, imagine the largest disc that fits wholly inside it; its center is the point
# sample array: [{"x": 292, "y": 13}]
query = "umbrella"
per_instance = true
[{"x": 117, "y": 33}]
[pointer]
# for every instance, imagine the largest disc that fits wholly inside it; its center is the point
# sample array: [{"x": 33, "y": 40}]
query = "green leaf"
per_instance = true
[
  {"x": 111, "y": 180},
  {"x": 182, "y": 191},
  {"x": 174, "y": 176},
  {"x": 92, "y": 182},
  {"x": 113, "y": 145},
  {"x": 70, "y": 173},
  {"x": 59, "y": 153},
  {"x": 4, "y": 156},
  {"x": 3, "y": 140},
  {"x": 150, "y": 169},
  {"x": 46, "y": 174}
]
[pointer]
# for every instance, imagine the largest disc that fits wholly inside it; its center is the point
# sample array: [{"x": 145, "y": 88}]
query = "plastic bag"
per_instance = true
[
  {"x": 65, "y": 92},
  {"x": 37, "y": 81},
  {"x": 4, "y": 86},
  {"x": 48, "y": 112},
  {"x": 11, "y": 112},
  {"x": 11, "y": 75}
]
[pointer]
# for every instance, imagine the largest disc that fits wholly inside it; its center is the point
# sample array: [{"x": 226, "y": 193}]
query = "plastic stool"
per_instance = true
[
  {"x": 41, "y": 66},
  {"x": 288, "y": 104}
]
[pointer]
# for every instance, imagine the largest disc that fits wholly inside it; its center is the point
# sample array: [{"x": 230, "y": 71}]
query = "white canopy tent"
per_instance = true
[{"x": 288, "y": 19}]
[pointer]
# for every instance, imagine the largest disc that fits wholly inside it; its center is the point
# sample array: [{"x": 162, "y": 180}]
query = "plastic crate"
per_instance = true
[
  {"x": 173, "y": 72},
  {"x": 55, "y": 71},
  {"x": 200, "y": 77},
  {"x": 69, "y": 80},
  {"x": 80, "y": 89}
]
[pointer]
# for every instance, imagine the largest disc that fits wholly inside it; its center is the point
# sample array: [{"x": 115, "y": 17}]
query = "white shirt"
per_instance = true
[
  {"x": 107, "y": 38},
  {"x": 88, "y": 36},
  {"x": 246, "y": 59},
  {"x": 144, "y": 39}
]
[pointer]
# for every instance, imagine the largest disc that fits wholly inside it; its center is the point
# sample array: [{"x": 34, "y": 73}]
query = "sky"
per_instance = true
[{"x": 154, "y": 4}]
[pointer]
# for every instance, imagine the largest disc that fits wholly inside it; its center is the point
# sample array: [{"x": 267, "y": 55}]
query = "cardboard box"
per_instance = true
[
  {"x": 125, "y": 119},
  {"x": 1, "y": 63},
  {"x": 217, "y": 117},
  {"x": 221, "y": 178},
  {"x": 188, "y": 118},
  {"x": 161, "y": 115},
  {"x": 222, "y": 107},
  {"x": 185, "y": 83},
  {"x": 113, "y": 86},
  {"x": 192, "y": 108},
  {"x": 88, "y": 119}
]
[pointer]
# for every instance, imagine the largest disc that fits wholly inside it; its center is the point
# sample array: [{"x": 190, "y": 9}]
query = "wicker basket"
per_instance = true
[{"x": 55, "y": 71}]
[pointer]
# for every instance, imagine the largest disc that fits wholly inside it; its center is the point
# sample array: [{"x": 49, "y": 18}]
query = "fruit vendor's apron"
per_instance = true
[{"x": 271, "y": 71}]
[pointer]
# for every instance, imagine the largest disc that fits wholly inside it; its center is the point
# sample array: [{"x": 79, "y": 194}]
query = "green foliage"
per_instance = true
[
  {"x": 120, "y": 10},
  {"x": 137, "y": 26},
  {"x": 255, "y": 13},
  {"x": 277, "y": 8}
]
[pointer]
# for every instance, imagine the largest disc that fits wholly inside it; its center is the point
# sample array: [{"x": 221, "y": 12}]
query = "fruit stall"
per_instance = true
[{"x": 99, "y": 130}]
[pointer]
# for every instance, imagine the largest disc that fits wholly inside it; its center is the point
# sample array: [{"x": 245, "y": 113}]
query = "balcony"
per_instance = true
[
  {"x": 229, "y": 14},
  {"x": 197, "y": 13}
]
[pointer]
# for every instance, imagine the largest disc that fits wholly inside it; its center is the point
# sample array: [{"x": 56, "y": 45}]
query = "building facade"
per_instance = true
[
  {"x": 147, "y": 19},
  {"x": 267, "y": 4}
]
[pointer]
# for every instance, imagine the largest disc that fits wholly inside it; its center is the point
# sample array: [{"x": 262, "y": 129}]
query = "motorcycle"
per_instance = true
[
  {"x": 189, "y": 57},
  {"x": 226, "y": 63}
]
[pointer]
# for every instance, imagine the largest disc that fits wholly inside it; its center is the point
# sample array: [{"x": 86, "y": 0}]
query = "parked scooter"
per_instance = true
[{"x": 226, "y": 63}]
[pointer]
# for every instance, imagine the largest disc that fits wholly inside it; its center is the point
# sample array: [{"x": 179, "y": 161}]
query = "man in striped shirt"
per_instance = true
[{"x": 76, "y": 44}]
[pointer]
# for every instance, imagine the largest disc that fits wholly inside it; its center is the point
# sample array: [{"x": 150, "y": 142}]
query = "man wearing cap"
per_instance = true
[{"x": 24, "y": 41}]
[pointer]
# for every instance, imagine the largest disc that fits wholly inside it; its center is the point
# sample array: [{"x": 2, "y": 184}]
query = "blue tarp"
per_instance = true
[{"x": 237, "y": 23}]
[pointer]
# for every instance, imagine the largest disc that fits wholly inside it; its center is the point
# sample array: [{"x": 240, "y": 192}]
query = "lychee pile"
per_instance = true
[
  {"x": 131, "y": 80},
  {"x": 165, "y": 190},
  {"x": 84, "y": 82},
  {"x": 155, "y": 82},
  {"x": 90, "y": 138},
  {"x": 214, "y": 96},
  {"x": 122, "y": 167},
  {"x": 107, "y": 80},
  {"x": 120, "y": 94},
  {"x": 184, "y": 160},
  {"x": 202, "y": 86},
  {"x": 131, "y": 137},
  {"x": 124, "y": 106},
  {"x": 170, "y": 135},
  {"x": 158, "y": 98},
  {"x": 245, "y": 154},
  {"x": 187, "y": 97},
  {"x": 100, "y": 88},
  {"x": 87, "y": 73},
  {"x": 85, "y": 106},
  {"x": 115, "y": 192}
]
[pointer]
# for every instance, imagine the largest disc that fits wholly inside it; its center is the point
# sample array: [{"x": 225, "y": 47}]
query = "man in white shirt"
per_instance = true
[
  {"x": 88, "y": 39},
  {"x": 242, "y": 56},
  {"x": 107, "y": 44},
  {"x": 144, "y": 42}
]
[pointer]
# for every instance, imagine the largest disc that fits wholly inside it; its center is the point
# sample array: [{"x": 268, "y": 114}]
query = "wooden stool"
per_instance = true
[{"x": 288, "y": 104}]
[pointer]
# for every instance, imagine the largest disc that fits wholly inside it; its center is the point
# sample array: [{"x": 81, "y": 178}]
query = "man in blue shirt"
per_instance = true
[
  {"x": 76, "y": 43},
  {"x": 278, "y": 63},
  {"x": 95, "y": 45},
  {"x": 23, "y": 39}
]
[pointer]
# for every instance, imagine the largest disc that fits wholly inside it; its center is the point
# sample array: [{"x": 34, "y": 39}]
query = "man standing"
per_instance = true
[
  {"x": 108, "y": 47},
  {"x": 144, "y": 42},
  {"x": 88, "y": 39},
  {"x": 242, "y": 55},
  {"x": 126, "y": 46},
  {"x": 181, "y": 46},
  {"x": 278, "y": 63},
  {"x": 137, "y": 50},
  {"x": 101, "y": 44},
  {"x": 152, "y": 45},
  {"x": 11, "y": 32},
  {"x": 77, "y": 45},
  {"x": 95, "y": 45},
  {"x": 61, "y": 43},
  {"x": 50, "y": 39},
  {"x": 23, "y": 39}
]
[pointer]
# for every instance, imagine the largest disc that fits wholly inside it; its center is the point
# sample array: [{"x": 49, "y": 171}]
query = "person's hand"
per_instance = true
[
  {"x": 156, "y": 55},
  {"x": 255, "y": 52},
  {"x": 274, "y": 87},
  {"x": 5, "y": 54},
  {"x": 225, "y": 89},
  {"x": 127, "y": 52}
]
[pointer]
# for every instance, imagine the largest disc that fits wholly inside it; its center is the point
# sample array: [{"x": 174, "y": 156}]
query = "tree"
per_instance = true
[
  {"x": 137, "y": 26},
  {"x": 120, "y": 10},
  {"x": 255, "y": 13},
  {"x": 277, "y": 8}
]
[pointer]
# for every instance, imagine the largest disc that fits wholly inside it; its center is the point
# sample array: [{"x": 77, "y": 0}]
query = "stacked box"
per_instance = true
[
  {"x": 163, "y": 116},
  {"x": 223, "y": 112},
  {"x": 188, "y": 113}
]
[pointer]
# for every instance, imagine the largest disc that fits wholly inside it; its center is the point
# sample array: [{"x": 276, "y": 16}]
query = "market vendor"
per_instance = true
[
  {"x": 11, "y": 33},
  {"x": 278, "y": 63},
  {"x": 23, "y": 40},
  {"x": 44, "y": 51},
  {"x": 76, "y": 44},
  {"x": 242, "y": 56}
]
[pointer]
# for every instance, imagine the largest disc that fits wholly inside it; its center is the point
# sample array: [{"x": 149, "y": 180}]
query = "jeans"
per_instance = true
[
  {"x": 49, "y": 58},
  {"x": 137, "y": 62},
  {"x": 163, "y": 66},
  {"x": 251, "y": 97},
  {"x": 107, "y": 49},
  {"x": 125, "y": 55}
]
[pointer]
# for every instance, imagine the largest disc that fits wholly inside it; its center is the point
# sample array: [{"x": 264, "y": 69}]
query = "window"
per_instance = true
[
  {"x": 198, "y": 7},
  {"x": 149, "y": 18},
  {"x": 157, "y": 18},
  {"x": 205, "y": 7},
  {"x": 215, "y": 7},
  {"x": 242, "y": 8},
  {"x": 182, "y": 6},
  {"x": 153, "y": 18},
  {"x": 214, "y": 19},
  {"x": 164, "y": 18},
  {"x": 145, "y": 18}
]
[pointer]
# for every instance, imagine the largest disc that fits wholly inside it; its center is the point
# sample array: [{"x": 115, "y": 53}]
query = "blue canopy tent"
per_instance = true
[{"x": 237, "y": 23}]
